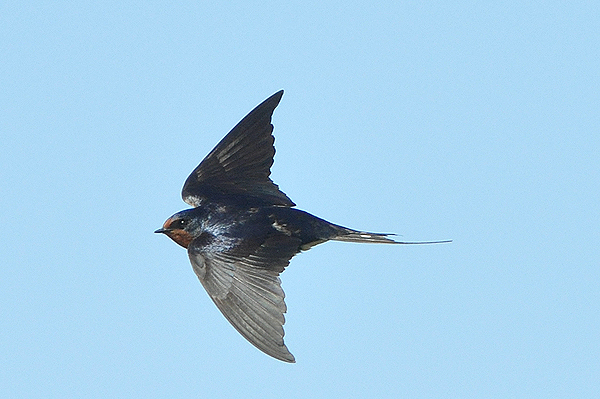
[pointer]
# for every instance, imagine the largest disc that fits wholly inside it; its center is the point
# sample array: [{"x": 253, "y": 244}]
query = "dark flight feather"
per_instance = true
[{"x": 240, "y": 165}]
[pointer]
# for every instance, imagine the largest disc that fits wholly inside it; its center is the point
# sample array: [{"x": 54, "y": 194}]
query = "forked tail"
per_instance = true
[{"x": 350, "y": 235}]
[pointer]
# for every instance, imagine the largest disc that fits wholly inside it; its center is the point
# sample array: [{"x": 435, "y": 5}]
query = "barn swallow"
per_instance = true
[{"x": 243, "y": 230}]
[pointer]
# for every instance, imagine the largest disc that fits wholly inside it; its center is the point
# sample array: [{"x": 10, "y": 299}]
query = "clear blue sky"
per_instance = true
[{"x": 472, "y": 121}]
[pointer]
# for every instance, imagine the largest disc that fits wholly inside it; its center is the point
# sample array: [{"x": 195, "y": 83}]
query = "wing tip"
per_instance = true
[
  {"x": 288, "y": 358},
  {"x": 273, "y": 100}
]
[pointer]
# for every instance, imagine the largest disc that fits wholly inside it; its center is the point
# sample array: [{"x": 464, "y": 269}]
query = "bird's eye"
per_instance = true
[{"x": 179, "y": 224}]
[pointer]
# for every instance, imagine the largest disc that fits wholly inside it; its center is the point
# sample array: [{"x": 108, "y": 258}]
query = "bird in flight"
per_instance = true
[{"x": 243, "y": 230}]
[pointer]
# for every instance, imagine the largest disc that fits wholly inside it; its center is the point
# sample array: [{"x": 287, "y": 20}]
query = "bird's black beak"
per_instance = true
[{"x": 161, "y": 230}]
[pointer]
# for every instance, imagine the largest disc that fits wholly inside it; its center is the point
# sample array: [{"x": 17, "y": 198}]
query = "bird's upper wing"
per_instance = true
[
  {"x": 245, "y": 286},
  {"x": 240, "y": 164}
]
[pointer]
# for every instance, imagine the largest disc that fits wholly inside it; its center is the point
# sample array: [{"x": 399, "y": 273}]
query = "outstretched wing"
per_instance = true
[
  {"x": 240, "y": 165},
  {"x": 245, "y": 286}
]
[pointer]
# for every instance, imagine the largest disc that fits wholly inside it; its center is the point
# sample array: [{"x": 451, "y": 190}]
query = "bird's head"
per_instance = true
[{"x": 181, "y": 227}]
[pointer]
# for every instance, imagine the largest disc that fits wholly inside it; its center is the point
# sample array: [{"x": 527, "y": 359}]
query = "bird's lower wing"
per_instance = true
[{"x": 247, "y": 290}]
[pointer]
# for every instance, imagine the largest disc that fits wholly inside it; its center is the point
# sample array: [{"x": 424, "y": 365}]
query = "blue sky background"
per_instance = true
[{"x": 474, "y": 121}]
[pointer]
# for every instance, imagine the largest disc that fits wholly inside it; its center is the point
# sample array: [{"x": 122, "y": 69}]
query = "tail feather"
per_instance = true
[{"x": 349, "y": 235}]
